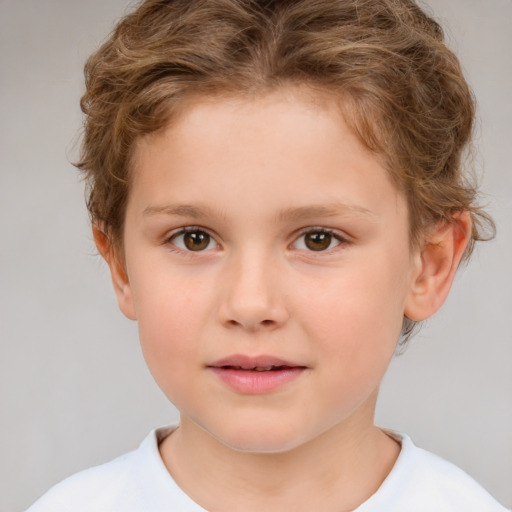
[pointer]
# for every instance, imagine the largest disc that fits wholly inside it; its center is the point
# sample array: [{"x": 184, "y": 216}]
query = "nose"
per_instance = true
[{"x": 252, "y": 295}]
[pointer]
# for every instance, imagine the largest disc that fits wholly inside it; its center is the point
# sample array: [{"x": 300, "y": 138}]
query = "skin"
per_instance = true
[{"x": 255, "y": 175}]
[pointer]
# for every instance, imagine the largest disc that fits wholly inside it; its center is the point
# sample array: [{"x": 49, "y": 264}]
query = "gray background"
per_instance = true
[{"x": 74, "y": 390}]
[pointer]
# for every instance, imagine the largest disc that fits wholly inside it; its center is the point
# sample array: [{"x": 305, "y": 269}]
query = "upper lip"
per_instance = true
[{"x": 246, "y": 362}]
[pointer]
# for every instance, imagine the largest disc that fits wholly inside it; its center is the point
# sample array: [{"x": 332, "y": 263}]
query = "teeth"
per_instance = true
[{"x": 255, "y": 368}]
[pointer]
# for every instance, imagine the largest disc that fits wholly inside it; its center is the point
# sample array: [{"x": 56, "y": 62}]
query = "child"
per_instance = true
[{"x": 276, "y": 187}]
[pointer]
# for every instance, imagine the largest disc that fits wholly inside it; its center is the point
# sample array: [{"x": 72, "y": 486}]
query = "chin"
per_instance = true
[{"x": 260, "y": 438}]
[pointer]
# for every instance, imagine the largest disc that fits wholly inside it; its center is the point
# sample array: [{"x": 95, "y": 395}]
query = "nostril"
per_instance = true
[{"x": 263, "y": 323}]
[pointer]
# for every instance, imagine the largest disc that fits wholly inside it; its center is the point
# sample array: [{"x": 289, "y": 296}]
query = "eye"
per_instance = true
[
  {"x": 193, "y": 239},
  {"x": 318, "y": 240}
]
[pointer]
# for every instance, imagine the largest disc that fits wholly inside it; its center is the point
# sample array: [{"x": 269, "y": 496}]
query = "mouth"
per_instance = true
[
  {"x": 271, "y": 368},
  {"x": 256, "y": 375}
]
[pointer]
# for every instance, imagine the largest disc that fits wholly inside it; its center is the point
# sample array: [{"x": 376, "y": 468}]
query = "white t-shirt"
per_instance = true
[{"x": 140, "y": 482}]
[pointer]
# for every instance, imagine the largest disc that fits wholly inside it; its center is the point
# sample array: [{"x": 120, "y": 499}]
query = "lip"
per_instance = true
[{"x": 256, "y": 375}]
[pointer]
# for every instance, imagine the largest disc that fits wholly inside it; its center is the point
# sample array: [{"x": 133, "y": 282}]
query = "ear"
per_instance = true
[
  {"x": 436, "y": 263},
  {"x": 117, "y": 272}
]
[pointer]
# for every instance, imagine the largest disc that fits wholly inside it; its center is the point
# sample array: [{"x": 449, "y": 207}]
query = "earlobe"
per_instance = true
[
  {"x": 436, "y": 263},
  {"x": 118, "y": 273}
]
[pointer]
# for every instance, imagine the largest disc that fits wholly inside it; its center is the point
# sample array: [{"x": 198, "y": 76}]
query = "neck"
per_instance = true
[{"x": 339, "y": 469}]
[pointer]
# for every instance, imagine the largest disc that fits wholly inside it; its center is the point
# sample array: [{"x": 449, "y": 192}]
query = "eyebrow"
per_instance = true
[
  {"x": 180, "y": 210},
  {"x": 329, "y": 210},
  {"x": 300, "y": 213}
]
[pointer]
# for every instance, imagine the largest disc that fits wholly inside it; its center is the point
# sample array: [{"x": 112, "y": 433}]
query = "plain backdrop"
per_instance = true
[{"x": 74, "y": 389}]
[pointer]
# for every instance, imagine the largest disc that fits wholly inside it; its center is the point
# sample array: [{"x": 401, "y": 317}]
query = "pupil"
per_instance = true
[
  {"x": 196, "y": 240},
  {"x": 318, "y": 241}
]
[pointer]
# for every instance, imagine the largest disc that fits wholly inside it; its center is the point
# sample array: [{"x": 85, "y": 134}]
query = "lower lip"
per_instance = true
[{"x": 256, "y": 383}]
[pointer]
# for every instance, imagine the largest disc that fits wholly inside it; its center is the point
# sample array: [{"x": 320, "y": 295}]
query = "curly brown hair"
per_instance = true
[{"x": 402, "y": 89}]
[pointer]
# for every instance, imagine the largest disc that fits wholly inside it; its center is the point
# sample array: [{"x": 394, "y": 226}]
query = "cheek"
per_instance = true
[
  {"x": 171, "y": 314},
  {"x": 354, "y": 326},
  {"x": 357, "y": 314}
]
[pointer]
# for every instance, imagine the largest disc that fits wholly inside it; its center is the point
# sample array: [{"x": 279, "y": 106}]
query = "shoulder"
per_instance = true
[
  {"x": 451, "y": 485},
  {"x": 133, "y": 482},
  {"x": 87, "y": 489},
  {"x": 422, "y": 481}
]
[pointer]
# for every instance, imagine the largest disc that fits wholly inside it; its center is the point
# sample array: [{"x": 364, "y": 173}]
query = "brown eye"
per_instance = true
[
  {"x": 193, "y": 240},
  {"x": 318, "y": 241},
  {"x": 196, "y": 240}
]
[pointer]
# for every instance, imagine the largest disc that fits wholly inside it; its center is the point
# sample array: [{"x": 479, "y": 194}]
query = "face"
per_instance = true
[{"x": 268, "y": 266}]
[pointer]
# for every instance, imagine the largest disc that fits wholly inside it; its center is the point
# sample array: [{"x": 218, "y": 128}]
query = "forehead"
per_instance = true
[
  {"x": 226, "y": 113},
  {"x": 286, "y": 143}
]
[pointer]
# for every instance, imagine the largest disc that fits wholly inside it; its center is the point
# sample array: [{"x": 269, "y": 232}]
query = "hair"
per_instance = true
[{"x": 401, "y": 90}]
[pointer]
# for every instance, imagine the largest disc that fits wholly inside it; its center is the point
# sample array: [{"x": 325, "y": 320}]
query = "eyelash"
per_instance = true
[
  {"x": 341, "y": 240},
  {"x": 171, "y": 239},
  {"x": 335, "y": 236}
]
